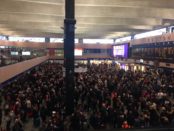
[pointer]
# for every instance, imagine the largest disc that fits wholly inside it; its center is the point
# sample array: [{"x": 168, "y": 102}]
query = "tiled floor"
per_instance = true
[{"x": 29, "y": 127}]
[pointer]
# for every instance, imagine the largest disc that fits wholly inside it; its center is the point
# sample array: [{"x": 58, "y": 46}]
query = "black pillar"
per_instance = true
[{"x": 69, "y": 32}]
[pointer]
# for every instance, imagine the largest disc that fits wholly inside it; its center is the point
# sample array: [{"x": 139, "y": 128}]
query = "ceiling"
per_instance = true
[{"x": 95, "y": 18}]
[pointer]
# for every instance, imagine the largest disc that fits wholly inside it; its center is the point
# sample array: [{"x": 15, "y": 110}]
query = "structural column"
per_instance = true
[
  {"x": 132, "y": 36},
  {"x": 80, "y": 40},
  {"x": 69, "y": 32},
  {"x": 47, "y": 39}
]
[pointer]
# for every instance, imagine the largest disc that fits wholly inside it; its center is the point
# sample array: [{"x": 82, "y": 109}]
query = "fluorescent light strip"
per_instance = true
[
  {"x": 98, "y": 41},
  {"x": 60, "y": 40},
  {"x": 40, "y": 2},
  {"x": 128, "y": 38},
  {"x": 150, "y": 33}
]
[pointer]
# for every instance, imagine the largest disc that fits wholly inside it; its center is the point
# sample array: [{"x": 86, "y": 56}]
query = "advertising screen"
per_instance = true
[
  {"x": 78, "y": 52},
  {"x": 120, "y": 51},
  {"x": 14, "y": 53},
  {"x": 26, "y": 53}
]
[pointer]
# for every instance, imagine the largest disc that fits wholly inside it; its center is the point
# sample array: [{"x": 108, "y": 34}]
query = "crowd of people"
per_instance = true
[{"x": 104, "y": 97}]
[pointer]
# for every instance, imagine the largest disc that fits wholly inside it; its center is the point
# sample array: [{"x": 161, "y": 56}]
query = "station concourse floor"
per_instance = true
[{"x": 29, "y": 127}]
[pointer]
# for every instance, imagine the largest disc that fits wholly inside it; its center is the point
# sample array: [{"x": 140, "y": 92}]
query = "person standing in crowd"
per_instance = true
[{"x": 104, "y": 96}]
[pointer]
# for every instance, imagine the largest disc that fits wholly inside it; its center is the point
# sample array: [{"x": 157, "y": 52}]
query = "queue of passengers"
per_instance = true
[{"x": 104, "y": 96}]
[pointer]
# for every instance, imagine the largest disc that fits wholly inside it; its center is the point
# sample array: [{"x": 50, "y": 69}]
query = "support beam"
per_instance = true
[
  {"x": 69, "y": 32},
  {"x": 47, "y": 39}
]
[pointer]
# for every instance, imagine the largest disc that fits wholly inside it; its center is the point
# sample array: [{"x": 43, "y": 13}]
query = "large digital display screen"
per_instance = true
[
  {"x": 78, "y": 52},
  {"x": 120, "y": 51}
]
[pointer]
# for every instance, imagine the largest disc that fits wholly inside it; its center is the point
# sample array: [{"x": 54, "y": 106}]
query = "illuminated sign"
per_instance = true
[
  {"x": 14, "y": 53},
  {"x": 78, "y": 52},
  {"x": 120, "y": 50},
  {"x": 26, "y": 53}
]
